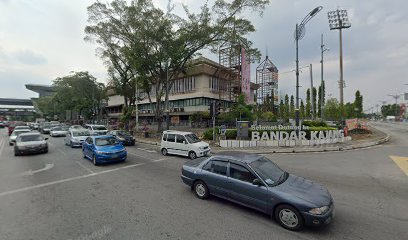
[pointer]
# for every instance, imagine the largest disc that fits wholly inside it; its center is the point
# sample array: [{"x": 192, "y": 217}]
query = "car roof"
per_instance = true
[
  {"x": 22, "y": 130},
  {"x": 29, "y": 134},
  {"x": 176, "y": 132},
  {"x": 237, "y": 156}
]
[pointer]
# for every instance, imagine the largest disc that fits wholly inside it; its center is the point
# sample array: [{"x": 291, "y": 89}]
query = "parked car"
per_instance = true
[
  {"x": 123, "y": 136},
  {"x": 255, "y": 181},
  {"x": 72, "y": 127},
  {"x": 96, "y": 129},
  {"x": 58, "y": 131},
  {"x": 32, "y": 142},
  {"x": 103, "y": 149},
  {"x": 14, "y": 135},
  {"x": 184, "y": 144},
  {"x": 75, "y": 137}
]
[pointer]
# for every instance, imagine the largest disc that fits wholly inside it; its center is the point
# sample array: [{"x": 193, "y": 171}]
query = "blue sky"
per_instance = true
[{"x": 43, "y": 39}]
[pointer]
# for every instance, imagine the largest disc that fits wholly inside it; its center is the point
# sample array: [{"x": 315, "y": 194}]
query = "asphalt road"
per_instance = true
[{"x": 60, "y": 195}]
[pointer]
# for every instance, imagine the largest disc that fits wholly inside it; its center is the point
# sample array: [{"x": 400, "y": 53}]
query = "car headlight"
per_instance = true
[
  {"x": 100, "y": 152},
  {"x": 319, "y": 211},
  {"x": 43, "y": 145}
]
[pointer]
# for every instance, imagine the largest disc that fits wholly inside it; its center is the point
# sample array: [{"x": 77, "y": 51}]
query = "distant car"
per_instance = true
[
  {"x": 95, "y": 129},
  {"x": 184, "y": 144},
  {"x": 12, "y": 125},
  {"x": 14, "y": 135},
  {"x": 72, "y": 127},
  {"x": 58, "y": 131},
  {"x": 22, "y": 127},
  {"x": 255, "y": 181},
  {"x": 103, "y": 149},
  {"x": 75, "y": 137},
  {"x": 123, "y": 136},
  {"x": 32, "y": 142},
  {"x": 45, "y": 128}
]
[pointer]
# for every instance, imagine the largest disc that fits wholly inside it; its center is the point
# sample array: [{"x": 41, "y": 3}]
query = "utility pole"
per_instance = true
[
  {"x": 136, "y": 107},
  {"x": 311, "y": 92},
  {"x": 323, "y": 49},
  {"x": 167, "y": 97}
]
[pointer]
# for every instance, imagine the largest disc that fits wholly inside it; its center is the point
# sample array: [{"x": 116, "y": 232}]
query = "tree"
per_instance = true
[
  {"x": 358, "y": 104},
  {"x": 332, "y": 109},
  {"x": 160, "y": 44},
  {"x": 308, "y": 105},
  {"x": 314, "y": 101},
  {"x": 349, "y": 110},
  {"x": 389, "y": 110},
  {"x": 292, "y": 107},
  {"x": 321, "y": 98},
  {"x": 286, "y": 107},
  {"x": 281, "y": 110},
  {"x": 80, "y": 92},
  {"x": 302, "y": 110}
]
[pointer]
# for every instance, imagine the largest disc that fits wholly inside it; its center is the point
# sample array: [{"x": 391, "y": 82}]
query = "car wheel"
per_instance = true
[
  {"x": 10, "y": 144},
  {"x": 70, "y": 144},
  {"x": 201, "y": 190},
  {"x": 16, "y": 153},
  {"x": 289, "y": 217},
  {"x": 94, "y": 160},
  {"x": 164, "y": 151},
  {"x": 192, "y": 155}
]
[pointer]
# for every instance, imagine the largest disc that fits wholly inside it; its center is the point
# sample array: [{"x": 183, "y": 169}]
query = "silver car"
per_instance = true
[
  {"x": 14, "y": 135},
  {"x": 32, "y": 142},
  {"x": 75, "y": 137},
  {"x": 58, "y": 131}
]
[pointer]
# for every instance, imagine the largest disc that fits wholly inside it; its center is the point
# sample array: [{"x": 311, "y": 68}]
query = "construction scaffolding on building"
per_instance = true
[
  {"x": 267, "y": 79},
  {"x": 233, "y": 65}
]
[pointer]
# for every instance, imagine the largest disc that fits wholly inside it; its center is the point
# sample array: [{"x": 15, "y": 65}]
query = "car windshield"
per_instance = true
[
  {"x": 80, "y": 133},
  {"x": 192, "y": 138},
  {"x": 268, "y": 171},
  {"x": 29, "y": 138},
  {"x": 106, "y": 141},
  {"x": 123, "y": 133},
  {"x": 16, "y": 133},
  {"x": 99, "y": 128}
]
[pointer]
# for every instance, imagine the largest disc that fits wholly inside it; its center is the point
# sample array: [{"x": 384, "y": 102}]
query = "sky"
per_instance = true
[{"x": 43, "y": 39}]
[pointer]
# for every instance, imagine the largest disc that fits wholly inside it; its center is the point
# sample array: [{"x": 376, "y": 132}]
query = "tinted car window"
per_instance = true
[
  {"x": 89, "y": 140},
  {"x": 106, "y": 141},
  {"x": 180, "y": 139},
  {"x": 192, "y": 138},
  {"x": 241, "y": 173},
  {"x": 267, "y": 170},
  {"x": 29, "y": 138},
  {"x": 218, "y": 167},
  {"x": 171, "y": 138},
  {"x": 164, "y": 137}
]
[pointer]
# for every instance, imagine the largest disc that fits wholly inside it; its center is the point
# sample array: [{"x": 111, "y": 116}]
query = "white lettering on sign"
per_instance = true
[{"x": 301, "y": 135}]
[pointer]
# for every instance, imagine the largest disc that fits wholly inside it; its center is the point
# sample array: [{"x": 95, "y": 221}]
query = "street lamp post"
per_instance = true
[
  {"x": 299, "y": 34},
  {"x": 338, "y": 20}
]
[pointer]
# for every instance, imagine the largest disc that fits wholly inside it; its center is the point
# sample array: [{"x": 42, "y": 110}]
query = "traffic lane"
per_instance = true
[
  {"x": 61, "y": 162},
  {"x": 151, "y": 202},
  {"x": 145, "y": 202}
]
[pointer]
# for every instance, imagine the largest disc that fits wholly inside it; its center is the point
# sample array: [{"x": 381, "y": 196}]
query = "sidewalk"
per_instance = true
[{"x": 377, "y": 137}]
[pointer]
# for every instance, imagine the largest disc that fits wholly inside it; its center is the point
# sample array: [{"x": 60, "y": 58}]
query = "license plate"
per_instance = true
[{"x": 115, "y": 155}]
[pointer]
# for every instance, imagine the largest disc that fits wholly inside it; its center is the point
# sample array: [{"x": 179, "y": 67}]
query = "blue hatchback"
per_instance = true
[{"x": 103, "y": 149}]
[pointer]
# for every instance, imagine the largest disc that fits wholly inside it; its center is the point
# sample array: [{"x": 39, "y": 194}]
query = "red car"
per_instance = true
[{"x": 12, "y": 125}]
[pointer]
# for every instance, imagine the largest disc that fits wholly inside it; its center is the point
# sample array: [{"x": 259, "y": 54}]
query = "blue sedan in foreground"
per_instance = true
[
  {"x": 254, "y": 181},
  {"x": 103, "y": 149}
]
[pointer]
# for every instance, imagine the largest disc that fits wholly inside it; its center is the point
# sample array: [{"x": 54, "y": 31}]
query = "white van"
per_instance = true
[
  {"x": 184, "y": 144},
  {"x": 95, "y": 129}
]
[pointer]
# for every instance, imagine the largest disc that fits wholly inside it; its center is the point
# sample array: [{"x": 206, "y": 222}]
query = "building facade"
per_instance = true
[{"x": 191, "y": 92}]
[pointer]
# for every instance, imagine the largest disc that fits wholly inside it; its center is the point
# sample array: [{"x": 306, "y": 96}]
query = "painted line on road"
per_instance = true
[
  {"x": 138, "y": 155},
  {"x": 72, "y": 179},
  {"x": 47, "y": 167},
  {"x": 2, "y": 146},
  {"x": 83, "y": 166},
  {"x": 402, "y": 162}
]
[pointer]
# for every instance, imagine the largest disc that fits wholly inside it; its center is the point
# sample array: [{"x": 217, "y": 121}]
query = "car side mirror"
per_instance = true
[
  {"x": 257, "y": 182},
  {"x": 46, "y": 138},
  {"x": 11, "y": 144}
]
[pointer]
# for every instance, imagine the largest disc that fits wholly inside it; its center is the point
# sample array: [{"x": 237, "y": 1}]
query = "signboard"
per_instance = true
[
  {"x": 175, "y": 119},
  {"x": 406, "y": 96},
  {"x": 352, "y": 124},
  {"x": 246, "y": 76},
  {"x": 280, "y": 133},
  {"x": 223, "y": 130},
  {"x": 242, "y": 129}
]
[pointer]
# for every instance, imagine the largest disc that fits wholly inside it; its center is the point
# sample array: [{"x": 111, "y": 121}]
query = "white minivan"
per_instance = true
[{"x": 184, "y": 144}]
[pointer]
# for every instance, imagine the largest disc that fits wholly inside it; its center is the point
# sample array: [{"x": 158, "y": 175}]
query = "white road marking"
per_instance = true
[
  {"x": 70, "y": 179},
  {"x": 2, "y": 146},
  {"x": 147, "y": 150},
  {"x": 138, "y": 155},
  {"x": 86, "y": 168},
  {"x": 48, "y": 166}
]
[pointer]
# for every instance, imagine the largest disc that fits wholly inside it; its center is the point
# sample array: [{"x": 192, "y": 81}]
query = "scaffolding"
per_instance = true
[
  {"x": 230, "y": 60},
  {"x": 267, "y": 80}
]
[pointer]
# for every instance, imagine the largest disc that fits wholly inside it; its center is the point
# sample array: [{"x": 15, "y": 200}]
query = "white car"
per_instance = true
[
  {"x": 76, "y": 137},
  {"x": 184, "y": 144},
  {"x": 96, "y": 129},
  {"x": 58, "y": 131},
  {"x": 16, "y": 132}
]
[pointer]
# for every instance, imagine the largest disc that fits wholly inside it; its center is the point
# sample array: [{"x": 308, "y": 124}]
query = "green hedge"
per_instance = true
[{"x": 315, "y": 123}]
